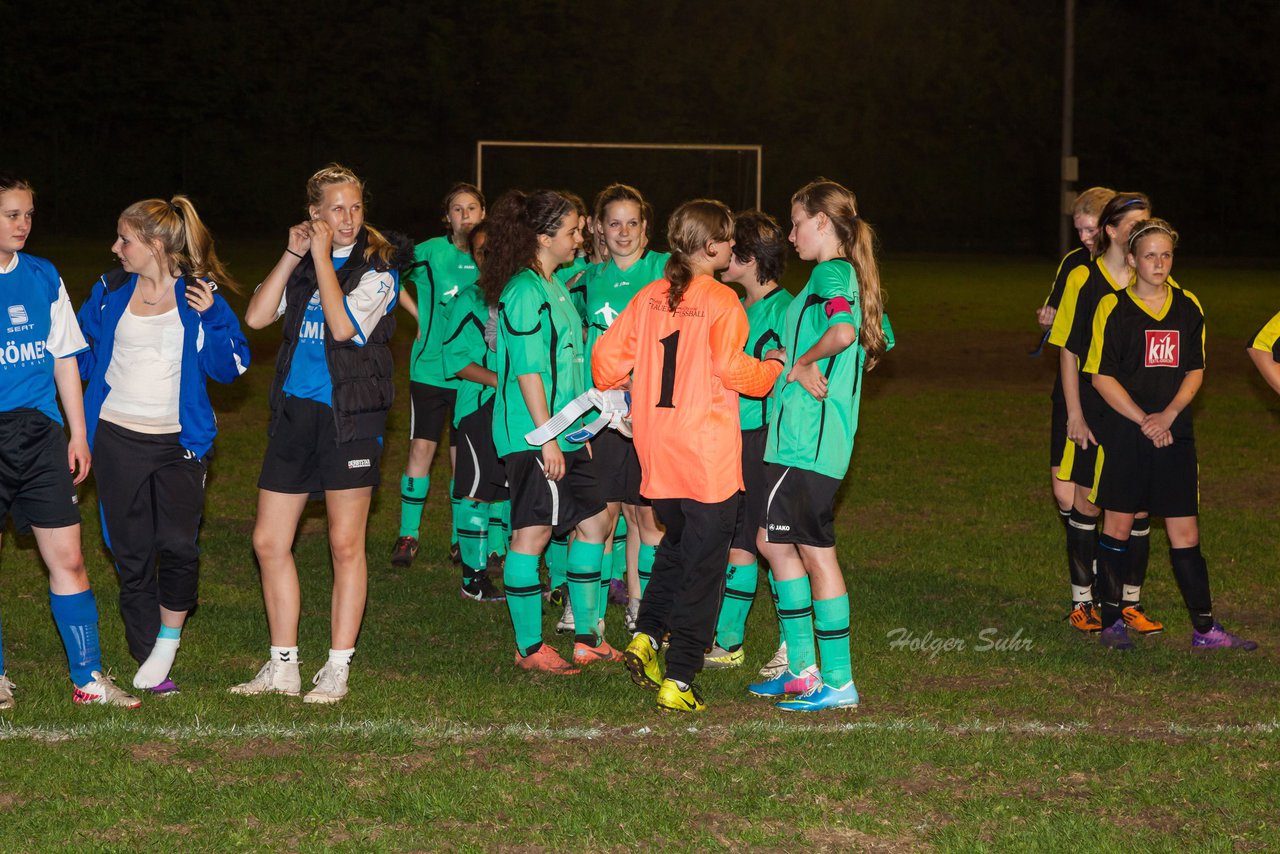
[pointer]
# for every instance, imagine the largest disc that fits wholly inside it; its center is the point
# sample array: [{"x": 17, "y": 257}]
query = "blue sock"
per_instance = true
[
  {"x": 77, "y": 619},
  {"x": 170, "y": 633}
]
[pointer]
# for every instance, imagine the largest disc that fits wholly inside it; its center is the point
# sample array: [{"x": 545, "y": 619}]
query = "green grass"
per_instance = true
[{"x": 946, "y": 527}]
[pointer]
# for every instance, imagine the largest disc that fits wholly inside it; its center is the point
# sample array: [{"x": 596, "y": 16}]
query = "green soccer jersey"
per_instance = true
[
  {"x": 464, "y": 344},
  {"x": 439, "y": 272},
  {"x": 766, "y": 319},
  {"x": 567, "y": 272},
  {"x": 818, "y": 434},
  {"x": 539, "y": 332},
  {"x": 606, "y": 290}
]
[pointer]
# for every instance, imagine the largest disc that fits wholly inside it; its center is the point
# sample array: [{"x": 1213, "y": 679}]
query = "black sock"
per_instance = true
[
  {"x": 1113, "y": 561},
  {"x": 1139, "y": 557},
  {"x": 1064, "y": 516},
  {"x": 1081, "y": 538},
  {"x": 1192, "y": 574}
]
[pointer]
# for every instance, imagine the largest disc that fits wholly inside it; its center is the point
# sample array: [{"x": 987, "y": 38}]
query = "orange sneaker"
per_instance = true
[
  {"x": 1137, "y": 620},
  {"x": 1085, "y": 618},
  {"x": 546, "y": 660},
  {"x": 584, "y": 655}
]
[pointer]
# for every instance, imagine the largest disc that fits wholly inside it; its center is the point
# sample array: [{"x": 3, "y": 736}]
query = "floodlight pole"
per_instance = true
[{"x": 1070, "y": 163}]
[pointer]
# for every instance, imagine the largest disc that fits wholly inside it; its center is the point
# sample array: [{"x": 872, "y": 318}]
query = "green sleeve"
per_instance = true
[{"x": 521, "y": 324}]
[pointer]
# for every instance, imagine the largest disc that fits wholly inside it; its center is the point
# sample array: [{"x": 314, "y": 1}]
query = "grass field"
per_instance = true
[{"x": 1027, "y": 737}]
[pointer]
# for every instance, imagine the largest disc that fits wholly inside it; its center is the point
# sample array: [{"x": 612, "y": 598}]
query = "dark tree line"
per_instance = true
[{"x": 944, "y": 117}]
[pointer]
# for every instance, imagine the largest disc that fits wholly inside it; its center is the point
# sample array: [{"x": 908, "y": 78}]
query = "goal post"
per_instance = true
[{"x": 756, "y": 150}]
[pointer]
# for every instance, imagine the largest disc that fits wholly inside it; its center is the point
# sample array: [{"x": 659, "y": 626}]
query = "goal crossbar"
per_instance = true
[{"x": 481, "y": 144}]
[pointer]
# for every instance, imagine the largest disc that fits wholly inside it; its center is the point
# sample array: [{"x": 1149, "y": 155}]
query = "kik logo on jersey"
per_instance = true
[{"x": 1162, "y": 348}]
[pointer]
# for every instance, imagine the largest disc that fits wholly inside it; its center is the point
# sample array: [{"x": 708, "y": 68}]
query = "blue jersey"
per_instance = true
[
  {"x": 39, "y": 327},
  {"x": 374, "y": 297}
]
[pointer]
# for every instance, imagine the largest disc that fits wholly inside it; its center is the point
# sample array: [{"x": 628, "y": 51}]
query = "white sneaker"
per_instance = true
[
  {"x": 6, "y": 692},
  {"x": 104, "y": 692},
  {"x": 275, "y": 677},
  {"x": 773, "y": 667},
  {"x": 565, "y": 625},
  {"x": 330, "y": 682}
]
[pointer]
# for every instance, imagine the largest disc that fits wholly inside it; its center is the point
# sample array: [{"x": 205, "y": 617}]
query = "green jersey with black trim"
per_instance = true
[
  {"x": 440, "y": 270},
  {"x": 464, "y": 344},
  {"x": 567, "y": 272},
  {"x": 539, "y": 332},
  {"x": 606, "y": 291},
  {"x": 806, "y": 433},
  {"x": 766, "y": 321}
]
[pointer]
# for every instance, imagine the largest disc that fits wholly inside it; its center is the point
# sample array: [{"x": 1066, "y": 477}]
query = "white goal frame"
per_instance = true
[{"x": 481, "y": 144}]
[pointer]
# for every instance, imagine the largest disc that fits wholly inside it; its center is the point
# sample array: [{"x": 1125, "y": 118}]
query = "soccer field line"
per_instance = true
[{"x": 462, "y": 733}]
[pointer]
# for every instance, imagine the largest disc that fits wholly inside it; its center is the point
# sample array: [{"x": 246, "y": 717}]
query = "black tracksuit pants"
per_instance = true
[
  {"x": 683, "y": 596},
  {"x": 151, "y": 494}
]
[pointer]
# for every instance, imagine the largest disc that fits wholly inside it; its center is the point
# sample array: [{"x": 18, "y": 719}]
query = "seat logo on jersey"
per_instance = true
[
  {"x": 1162, "y": 348},
  {"x": 17, "y": 314}
]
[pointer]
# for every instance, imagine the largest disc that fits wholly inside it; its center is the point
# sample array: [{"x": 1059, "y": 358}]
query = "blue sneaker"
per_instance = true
[
  {"x": 821, "y": 697},
  {"x": 1116, "y": 636},
  {"x": 1219, "y": 638},
  {"x": 787, "y": 683}
]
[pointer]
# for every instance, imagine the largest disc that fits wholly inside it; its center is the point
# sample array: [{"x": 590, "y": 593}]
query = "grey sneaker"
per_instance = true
[
  {"x": 773, "y": 667},
  {"x": 719, "y": 658},
  {"x": 565, "y": 624},
  {"x": 6, "y": 692},
  {"x": 104, "y": 692},
  {"x": 330, "y": 682},
  {"x": 275, "y": 677}
]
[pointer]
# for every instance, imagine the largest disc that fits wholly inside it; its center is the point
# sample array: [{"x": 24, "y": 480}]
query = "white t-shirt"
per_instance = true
[{"x": 145, "y": 373}]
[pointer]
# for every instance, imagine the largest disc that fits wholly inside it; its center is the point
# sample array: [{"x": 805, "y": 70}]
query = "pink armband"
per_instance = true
[{"x": 836, "y": 305}]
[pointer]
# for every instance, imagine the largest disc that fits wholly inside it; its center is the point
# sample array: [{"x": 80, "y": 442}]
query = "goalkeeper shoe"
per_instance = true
[
  {"x": 642, "y": 660},
  {"x": 673, "y": 698}
]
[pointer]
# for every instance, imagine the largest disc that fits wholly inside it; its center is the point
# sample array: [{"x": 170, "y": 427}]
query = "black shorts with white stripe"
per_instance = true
[
  {"x": 562, "y": 504},
  {"x": 479, "y": 472},
  {"x": 800, "y": 507}
]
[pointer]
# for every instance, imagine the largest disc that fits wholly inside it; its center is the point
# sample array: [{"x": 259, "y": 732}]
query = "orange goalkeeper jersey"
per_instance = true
[{"x": 688, "y": 370}]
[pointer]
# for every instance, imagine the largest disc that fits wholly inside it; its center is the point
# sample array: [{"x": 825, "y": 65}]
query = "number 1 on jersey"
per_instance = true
[{"x": 669, "y": 345}]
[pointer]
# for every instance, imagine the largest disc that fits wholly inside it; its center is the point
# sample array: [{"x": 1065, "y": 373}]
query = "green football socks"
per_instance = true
[
  {"x": 524, "y": 600},
  {"x": 795, "y": 607},
  {"x": 739, "y": 593},
  {"x": 584, "y": 587},
  {"x": 413, "y": 495},
  {"x": 471, "y": 519},
  {"x": 831, "y": 627},
  {"x": 499, "y": 527},
  {"x": 557, "y": 561},
  {"x": 644, "y": 565}
]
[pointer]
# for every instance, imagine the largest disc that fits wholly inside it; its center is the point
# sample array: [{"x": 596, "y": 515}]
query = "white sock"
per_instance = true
[
  {"x": 1132, "y": 593},
  {"x": 342, "y": 656},
  {"x": 1081, "y": 593},
  {"x": 285, "y": 654},
  {"x": 156, "y": 668}
]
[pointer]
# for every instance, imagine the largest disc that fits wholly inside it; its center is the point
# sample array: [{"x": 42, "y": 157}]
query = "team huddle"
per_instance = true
[
  {"x": 1131, "y": 361},
  {"x": 617, "y": 412}
]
